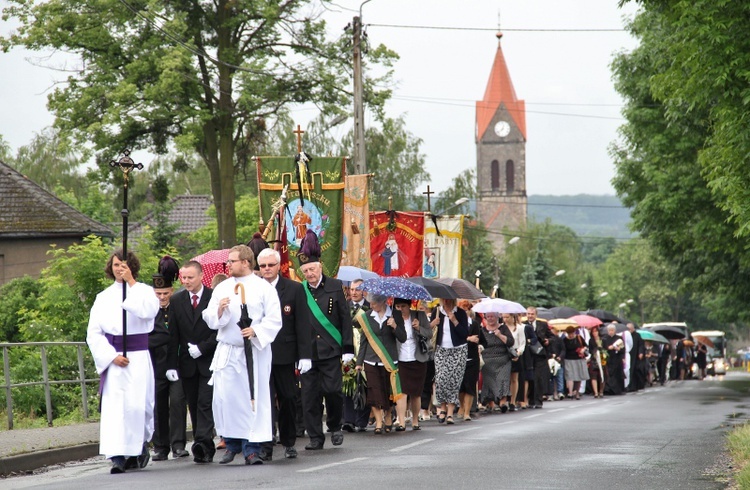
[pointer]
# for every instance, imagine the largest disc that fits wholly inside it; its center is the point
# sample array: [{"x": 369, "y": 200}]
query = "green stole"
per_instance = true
[
  {"x": 320, "y": 316},
  {"x": 380, "y": 350}
]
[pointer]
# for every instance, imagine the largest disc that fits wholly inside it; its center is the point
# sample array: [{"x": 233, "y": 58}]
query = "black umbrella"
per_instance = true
[
  {"x": 544, "y": 313},
  {"x": 436, "y": 289},
  {"x": 564, "y": 312},
  {"x": 605, "y": 316},
  {"x": 668, "y": 331},
  {"x": 463, "y": 288},
  {"x": 246, "y": 321},
  {"x": 621, "y": 327}
]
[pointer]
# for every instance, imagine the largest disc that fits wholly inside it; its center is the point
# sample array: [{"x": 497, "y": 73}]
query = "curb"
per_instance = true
[{"x": 24, "y": 463}]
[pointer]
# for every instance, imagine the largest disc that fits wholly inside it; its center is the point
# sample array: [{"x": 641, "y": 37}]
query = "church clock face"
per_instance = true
[{"x": 502, "y": 129}]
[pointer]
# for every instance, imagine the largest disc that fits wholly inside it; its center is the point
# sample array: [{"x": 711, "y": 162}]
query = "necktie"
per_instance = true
[{"x": 195, "y": 301}]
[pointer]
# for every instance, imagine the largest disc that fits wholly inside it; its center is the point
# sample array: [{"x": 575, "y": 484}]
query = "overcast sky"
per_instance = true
[{"x": 573, "y": 111}]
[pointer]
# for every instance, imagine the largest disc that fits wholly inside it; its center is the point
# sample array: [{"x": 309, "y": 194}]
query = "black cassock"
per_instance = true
[{"x": 615, "y": 374}]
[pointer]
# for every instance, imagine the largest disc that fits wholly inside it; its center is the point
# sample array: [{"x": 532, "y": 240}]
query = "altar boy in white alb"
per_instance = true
[
  {"x": 127, "y": 383},
  {"x": 244, "y": 425}
]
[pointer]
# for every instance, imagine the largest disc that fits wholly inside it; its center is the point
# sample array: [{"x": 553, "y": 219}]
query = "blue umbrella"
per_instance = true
[
  {"x": 349, "y": 273},
  {"x": 398, "y": 287}
]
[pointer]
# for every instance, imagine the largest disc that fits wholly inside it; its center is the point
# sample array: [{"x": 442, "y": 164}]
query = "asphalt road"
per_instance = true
[{"x": 666, "y": 438}]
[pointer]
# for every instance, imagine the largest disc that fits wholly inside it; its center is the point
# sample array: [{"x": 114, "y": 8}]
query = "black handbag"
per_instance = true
[
  {"x": 537, "y": 349},
  {"x": 359, "y": 398}
]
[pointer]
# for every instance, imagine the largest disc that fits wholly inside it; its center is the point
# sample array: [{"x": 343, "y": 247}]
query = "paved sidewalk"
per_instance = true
[{"x": 23, "y": 450}]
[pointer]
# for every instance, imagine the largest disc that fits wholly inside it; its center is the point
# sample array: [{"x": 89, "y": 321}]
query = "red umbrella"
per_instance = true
[
  {"x": 586, "y": 321},
  {"x": 213, "y": 262}
]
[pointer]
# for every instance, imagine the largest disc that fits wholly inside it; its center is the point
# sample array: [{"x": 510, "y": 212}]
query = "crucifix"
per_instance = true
[
  {"x": 429, "y": 193},
  {"x": 299, "y": 133}
]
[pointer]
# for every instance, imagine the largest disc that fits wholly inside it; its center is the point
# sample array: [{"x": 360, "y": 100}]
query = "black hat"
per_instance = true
[
  {"x": 309, "y": 249},
  {"x": 398, "y": 301},
  {"x": 168, "y": 271},
  {"x": 257, "y": 244}
]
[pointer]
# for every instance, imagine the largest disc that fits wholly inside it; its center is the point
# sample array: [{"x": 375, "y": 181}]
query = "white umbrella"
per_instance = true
[
  {"x": 349, "y": 273},
  {"x": 498, "y": 305}
]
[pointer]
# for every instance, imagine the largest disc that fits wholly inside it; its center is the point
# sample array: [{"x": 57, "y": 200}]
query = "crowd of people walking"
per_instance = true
[{"x": 258, "y": 359}]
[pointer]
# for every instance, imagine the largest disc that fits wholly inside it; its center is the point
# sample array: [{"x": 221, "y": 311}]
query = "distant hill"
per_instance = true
[{"x": 587, "y": 215}]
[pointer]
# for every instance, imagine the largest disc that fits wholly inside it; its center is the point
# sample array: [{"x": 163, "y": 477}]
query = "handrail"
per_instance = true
[{"x": 46, "y": 382}]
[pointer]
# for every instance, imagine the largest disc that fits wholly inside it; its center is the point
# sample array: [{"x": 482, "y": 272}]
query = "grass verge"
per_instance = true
[{"x": 739, "y": 449}]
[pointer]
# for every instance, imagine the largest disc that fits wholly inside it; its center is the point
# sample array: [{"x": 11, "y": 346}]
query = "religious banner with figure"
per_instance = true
[
  {"x": 356, "y": 247},
  {"x": 319, "y": 206},
  {"x": 396, "y": 243},
  {"x": 442, "y": 253}
]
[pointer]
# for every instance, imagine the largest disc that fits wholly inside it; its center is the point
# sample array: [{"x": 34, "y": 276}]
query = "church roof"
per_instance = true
[
  {"x": 29, "y": 211},
  {"x": 500, "y": 92}
]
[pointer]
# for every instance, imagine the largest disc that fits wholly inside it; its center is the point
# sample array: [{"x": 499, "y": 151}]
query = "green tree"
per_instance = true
[
  {"x": 662, "y": 170},
  {"x": 16, "y": 295},
  {"x": 393, "y": 155},
  {"x": 538, "y": 287},
  {"x": 204, "y": 76}
]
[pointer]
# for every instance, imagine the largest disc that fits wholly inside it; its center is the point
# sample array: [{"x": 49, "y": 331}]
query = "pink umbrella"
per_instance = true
[
  {"x": 586, "y": 321},
  {"x": 213, "y": 262}
]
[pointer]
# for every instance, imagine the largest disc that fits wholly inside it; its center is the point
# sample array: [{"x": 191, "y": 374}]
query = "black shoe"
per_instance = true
[
  {"x": 511, "y": 408},
  {"x": 145, "y": 456},
  {"x": 300, "y": 433},
  {"x": 160, "y": 456},
  {"x": 228, "y": 457},
  {"x": 265, "y": 455},
  {"x": 348, "y": 427},
  {"x": 199, "y": 454},
  {"x": 400, "y": 428},
  {"x": 253, "y": 459},
  {"x": 361, "y": 429},
  {"x": 337, "y": 438},
  {"x": 314, "y": 446},
  {"x": 131, "y": 463},
  {"x": 503, "y": 408},
  {"x": 290, "y": 452},
  {"x": 180, "y": 453},
  {"x": 118, "y": 465},
  {"x": 538, "y": 406}
]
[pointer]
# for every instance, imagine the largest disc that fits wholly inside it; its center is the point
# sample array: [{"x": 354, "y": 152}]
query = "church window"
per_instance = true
[
  {"x": 510, "y": 176},
  {"x": 495, "y": 170}
]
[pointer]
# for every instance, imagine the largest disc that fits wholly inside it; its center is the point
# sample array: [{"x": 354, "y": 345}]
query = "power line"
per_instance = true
[{"x": 490, "y": 29}]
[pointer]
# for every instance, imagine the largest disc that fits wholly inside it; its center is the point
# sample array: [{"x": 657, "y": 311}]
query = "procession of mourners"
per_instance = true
[{"x": 260, "y": 360}]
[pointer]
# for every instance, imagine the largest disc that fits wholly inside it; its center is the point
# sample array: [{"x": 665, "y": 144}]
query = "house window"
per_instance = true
[
  {"x": 510, "y": 176},
  {"x": 495, "y": 170}
]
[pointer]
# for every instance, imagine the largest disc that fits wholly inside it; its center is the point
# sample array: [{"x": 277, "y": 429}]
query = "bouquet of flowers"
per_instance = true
[{"x": 348, "y": 378}]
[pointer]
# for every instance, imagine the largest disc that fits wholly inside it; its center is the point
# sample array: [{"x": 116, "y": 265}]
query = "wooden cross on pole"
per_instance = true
[
  {"x": 299, "y": 133},
  {"x": 429, "y": 193}
]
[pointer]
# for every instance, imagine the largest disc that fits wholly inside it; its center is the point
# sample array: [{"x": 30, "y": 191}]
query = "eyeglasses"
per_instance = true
[
  {"x": 263, "y": 266},
  {"x": 232, "y": 261}
]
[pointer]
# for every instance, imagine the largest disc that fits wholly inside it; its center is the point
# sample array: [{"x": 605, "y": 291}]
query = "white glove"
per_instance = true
[
  {"x": 347, "y": 358},
  {"x": 172, "y": 375},
  {"x": 194, "y": 351},
  {"x": 304, "y": 365}
]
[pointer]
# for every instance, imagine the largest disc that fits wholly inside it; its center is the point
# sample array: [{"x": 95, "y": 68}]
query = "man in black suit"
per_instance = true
[
  {"x": 541, "y": 366},
  {"x": 170, "y": 410},
  {"x": 291, "y": 346},
  {"x": 355, "y": 419},
  {"x": 331, "y": 343},
  {"x": 191, "y": 352}
]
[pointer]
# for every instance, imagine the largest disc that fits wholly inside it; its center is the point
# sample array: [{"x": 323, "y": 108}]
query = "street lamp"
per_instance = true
[
  {"x": 584, "y": 285},
  {"x": 603, "y": 294},
  {"x": 514, "y": 240},
  {"x": 458, "y": 202},
  {"x": 560, "y": 272}
]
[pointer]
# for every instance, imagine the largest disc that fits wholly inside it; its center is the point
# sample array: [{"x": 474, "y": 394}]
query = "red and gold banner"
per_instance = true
[{"x": 397, "y": 243}]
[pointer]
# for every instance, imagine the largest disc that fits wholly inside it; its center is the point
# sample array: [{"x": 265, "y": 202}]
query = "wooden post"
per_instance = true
[{"x": 429, "y": 193}]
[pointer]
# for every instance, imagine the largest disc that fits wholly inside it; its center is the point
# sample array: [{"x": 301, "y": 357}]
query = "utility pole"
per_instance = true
[{"x": 360, "y": 163}]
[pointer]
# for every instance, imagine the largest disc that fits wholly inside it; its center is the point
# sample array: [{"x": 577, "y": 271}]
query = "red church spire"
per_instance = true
[{"x": 500, "y": 92}]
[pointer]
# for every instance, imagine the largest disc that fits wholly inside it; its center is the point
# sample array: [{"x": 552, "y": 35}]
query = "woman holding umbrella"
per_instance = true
[
  {"x": 450, "y": 356},
  {"x": 378, "y": 356},
  {"x": 413, "y": 355}
]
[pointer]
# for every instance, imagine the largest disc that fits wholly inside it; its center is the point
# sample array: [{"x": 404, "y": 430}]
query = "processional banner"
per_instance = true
[
  {"x": 442, "y": 253},
  {"x": 356, "y": 247},
  {"x": 320, "y": 207},
  {"x": 397, "y": 243}
]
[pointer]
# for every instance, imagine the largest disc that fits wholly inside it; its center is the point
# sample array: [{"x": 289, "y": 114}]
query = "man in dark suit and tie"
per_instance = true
[
  {"x": 170, "y": 410},
  {"x": 291, "y": 346},
  {"x": 332, "y": 343},
  {"x": 191, "y": 352},
  {"x": 541, "y": 366}
]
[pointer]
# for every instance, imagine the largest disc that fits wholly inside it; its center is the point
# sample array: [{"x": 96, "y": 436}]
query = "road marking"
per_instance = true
[
  {"x": 505, "y": 423},
  {"x": 331, "y": 465},
  {"x": 532, "y": 416},
  {"x": 414, "y": 444},
  {"x": 462, "y": 430},
  {"x": 587, "y": 403},
  {"x": 556, "y": 410}
]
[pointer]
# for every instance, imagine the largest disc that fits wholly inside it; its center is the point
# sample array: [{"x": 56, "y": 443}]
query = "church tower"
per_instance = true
[{"x": 501, "y": 153}]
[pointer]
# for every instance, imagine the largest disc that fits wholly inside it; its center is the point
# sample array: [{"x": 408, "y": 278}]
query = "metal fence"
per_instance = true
[{"x": 46, "y": 382}]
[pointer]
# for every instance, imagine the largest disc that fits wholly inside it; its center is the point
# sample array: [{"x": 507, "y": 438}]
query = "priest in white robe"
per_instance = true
[
  {"x": 243, "y": 423},
  {"x": 127, "y": 383}
]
